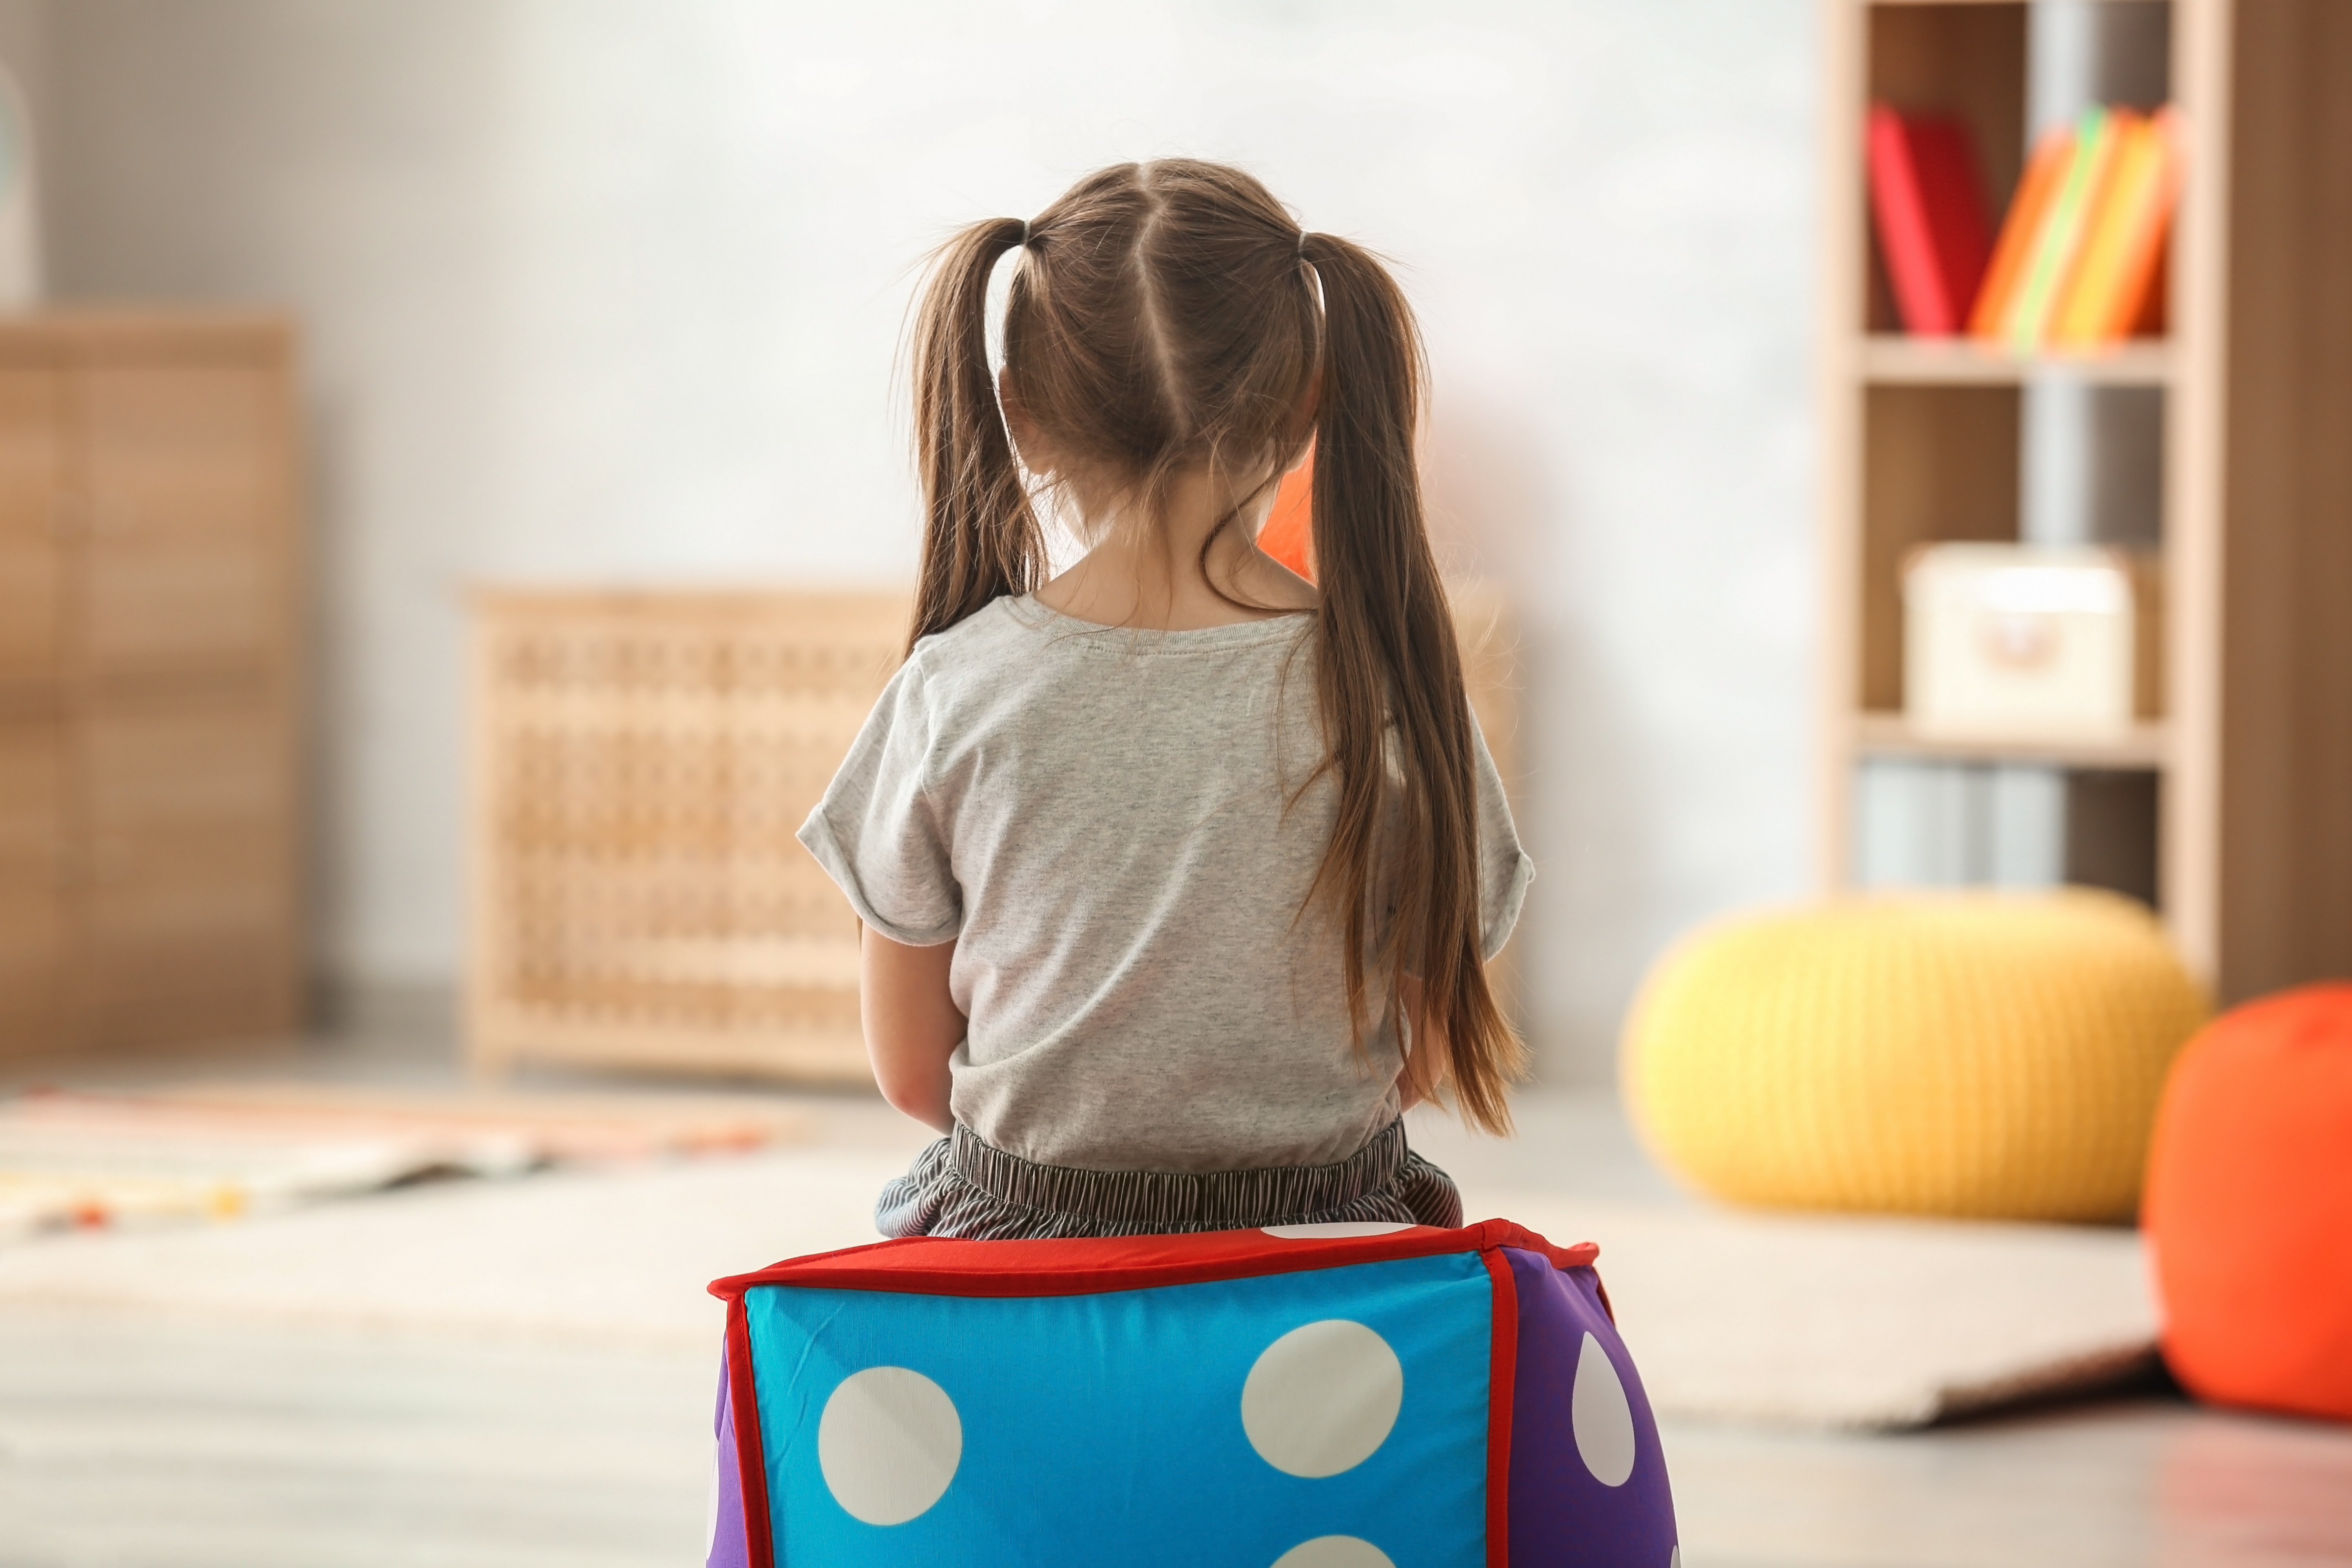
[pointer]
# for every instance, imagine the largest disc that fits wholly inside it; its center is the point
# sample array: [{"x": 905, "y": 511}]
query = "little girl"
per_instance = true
[{"x": 1178, "y": 874}]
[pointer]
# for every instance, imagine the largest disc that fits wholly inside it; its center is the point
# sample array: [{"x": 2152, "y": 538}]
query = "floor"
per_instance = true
[{"x": 148, "y": 1444}]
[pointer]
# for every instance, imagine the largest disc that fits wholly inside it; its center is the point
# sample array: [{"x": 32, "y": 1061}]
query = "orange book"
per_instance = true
[
  {"x": 2026, "y": 323},
  {"x": 1288, "y": 535},
  {"x": 2137, "y": 306},
  {"x": 2043, "y": 173},
  {"x": 2130, "y": 211}
]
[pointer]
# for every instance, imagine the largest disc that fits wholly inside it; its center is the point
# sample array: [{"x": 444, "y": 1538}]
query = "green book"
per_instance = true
[{"x": 2062, "y": 233}]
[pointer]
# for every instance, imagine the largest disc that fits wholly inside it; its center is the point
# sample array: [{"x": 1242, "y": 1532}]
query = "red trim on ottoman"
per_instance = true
[
  {"x": 931, "y": 1266},
  {"x": 1502, "y": 1376},
  {"x": 751, "y": 1458}
]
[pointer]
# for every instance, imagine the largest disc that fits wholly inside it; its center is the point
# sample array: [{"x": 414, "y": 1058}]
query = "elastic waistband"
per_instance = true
[{"x": 1211, "y": 1200}]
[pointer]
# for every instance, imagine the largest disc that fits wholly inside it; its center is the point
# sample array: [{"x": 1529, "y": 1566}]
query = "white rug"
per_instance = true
[{"x": 1821, "y": 1323}]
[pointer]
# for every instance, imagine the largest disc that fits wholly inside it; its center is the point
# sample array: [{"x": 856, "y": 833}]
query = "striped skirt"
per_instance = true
[{"x": 962, "y": 1186}]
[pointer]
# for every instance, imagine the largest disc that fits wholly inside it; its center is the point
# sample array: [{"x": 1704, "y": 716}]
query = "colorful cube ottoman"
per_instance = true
[{"x": 1355, "y": 1396}]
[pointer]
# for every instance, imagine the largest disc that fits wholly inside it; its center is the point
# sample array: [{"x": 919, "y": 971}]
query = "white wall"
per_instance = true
[
  {"x": 24, "y": 52},
  {"x": 609, "y": 289}
]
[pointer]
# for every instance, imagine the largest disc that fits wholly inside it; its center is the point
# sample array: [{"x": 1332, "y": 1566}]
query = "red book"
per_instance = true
[{"x": 1928, "y": 205}]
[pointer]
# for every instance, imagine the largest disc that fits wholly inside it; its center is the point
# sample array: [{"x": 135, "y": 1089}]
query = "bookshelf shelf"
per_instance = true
[
  {"x": 1890, "y": 735},
  {"x": 1891, "y": 359},
  {"x": 1988, "y": 3},
  {"x": 2233, "y": 809}
]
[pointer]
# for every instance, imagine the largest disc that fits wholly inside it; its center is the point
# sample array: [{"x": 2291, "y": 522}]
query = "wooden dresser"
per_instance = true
[{"x": 150, "y": 681}]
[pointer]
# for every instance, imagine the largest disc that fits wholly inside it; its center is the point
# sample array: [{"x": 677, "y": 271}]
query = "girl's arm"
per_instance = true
[{"x": 912, "y": 1027}]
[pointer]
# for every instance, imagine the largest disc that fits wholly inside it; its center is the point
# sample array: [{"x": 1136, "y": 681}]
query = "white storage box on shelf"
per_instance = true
[{"x": 2010, "y": 641}]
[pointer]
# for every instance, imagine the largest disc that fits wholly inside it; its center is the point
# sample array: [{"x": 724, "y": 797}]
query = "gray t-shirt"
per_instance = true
[{"x": 1108, "y": 824}]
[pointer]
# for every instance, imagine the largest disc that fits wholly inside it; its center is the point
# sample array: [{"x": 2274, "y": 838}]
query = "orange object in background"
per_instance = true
[
  {"x": 1288, "y": 535},
  {"x": 2248, "y": 1205}
]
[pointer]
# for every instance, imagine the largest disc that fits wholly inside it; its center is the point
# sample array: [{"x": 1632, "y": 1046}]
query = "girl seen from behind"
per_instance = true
[{"x": 1178, "y": 874}]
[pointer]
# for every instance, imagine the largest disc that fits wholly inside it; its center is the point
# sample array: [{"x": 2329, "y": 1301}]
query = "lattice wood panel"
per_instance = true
[{"x": 643, "y": 762}]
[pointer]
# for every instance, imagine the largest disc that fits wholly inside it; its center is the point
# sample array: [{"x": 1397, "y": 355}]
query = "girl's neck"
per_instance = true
[{"x": 1152, "y": 577}]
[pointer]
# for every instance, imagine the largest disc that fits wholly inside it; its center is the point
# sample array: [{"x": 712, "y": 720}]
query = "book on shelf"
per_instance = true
[
  {"x": 2043, "y": 171},
  {"x": 1927, "y": 205},
  {"x": 2081, "y": 256},
  {"x": 2111, "y": 285},
  {"x": 2024, "y": 322}
]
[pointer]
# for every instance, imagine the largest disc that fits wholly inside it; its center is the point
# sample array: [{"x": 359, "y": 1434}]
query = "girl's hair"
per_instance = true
[{"x": 1169, "y": 318}]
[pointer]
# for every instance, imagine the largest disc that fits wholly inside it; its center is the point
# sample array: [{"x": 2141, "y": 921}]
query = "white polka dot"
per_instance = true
[
  {"x": 1334, "y": 1551},
  {"x": 1602, "y": 1418},
  {"x": 1337, "y": 1227},
  {"x": 889, "y": 1444},
  {"x": 1321, "y": 1398}
]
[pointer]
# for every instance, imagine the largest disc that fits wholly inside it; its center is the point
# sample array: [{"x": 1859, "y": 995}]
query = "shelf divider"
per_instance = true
[
  {"x": 2146, "y": 747},
  {"x": 1893, "y": 359}
]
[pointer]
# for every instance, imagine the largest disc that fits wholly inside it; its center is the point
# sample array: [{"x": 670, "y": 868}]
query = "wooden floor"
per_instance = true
[
  {"x": 2147, "y": 1480},
  {"x": 208, "y": 1447},
  {"x": 130, "y": 1443}
]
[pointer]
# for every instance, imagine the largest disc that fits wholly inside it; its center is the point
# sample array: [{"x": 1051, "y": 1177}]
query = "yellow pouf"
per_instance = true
[{"x": 1984, "y": 1055}]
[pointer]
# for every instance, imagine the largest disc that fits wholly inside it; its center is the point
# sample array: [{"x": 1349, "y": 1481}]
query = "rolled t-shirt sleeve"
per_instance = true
[
  {"x": 1504, "y": 869},
  {"x": 875, "y": 833}
]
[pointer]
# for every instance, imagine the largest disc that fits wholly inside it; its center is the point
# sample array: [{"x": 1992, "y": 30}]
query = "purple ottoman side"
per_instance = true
[
  {"x": 728, "y": 1549},
  {"x": 1587, "y": 1478}
]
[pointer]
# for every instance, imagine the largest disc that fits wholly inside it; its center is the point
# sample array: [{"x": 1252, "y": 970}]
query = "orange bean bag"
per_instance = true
[{"x": 2248, "y": 1205}]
